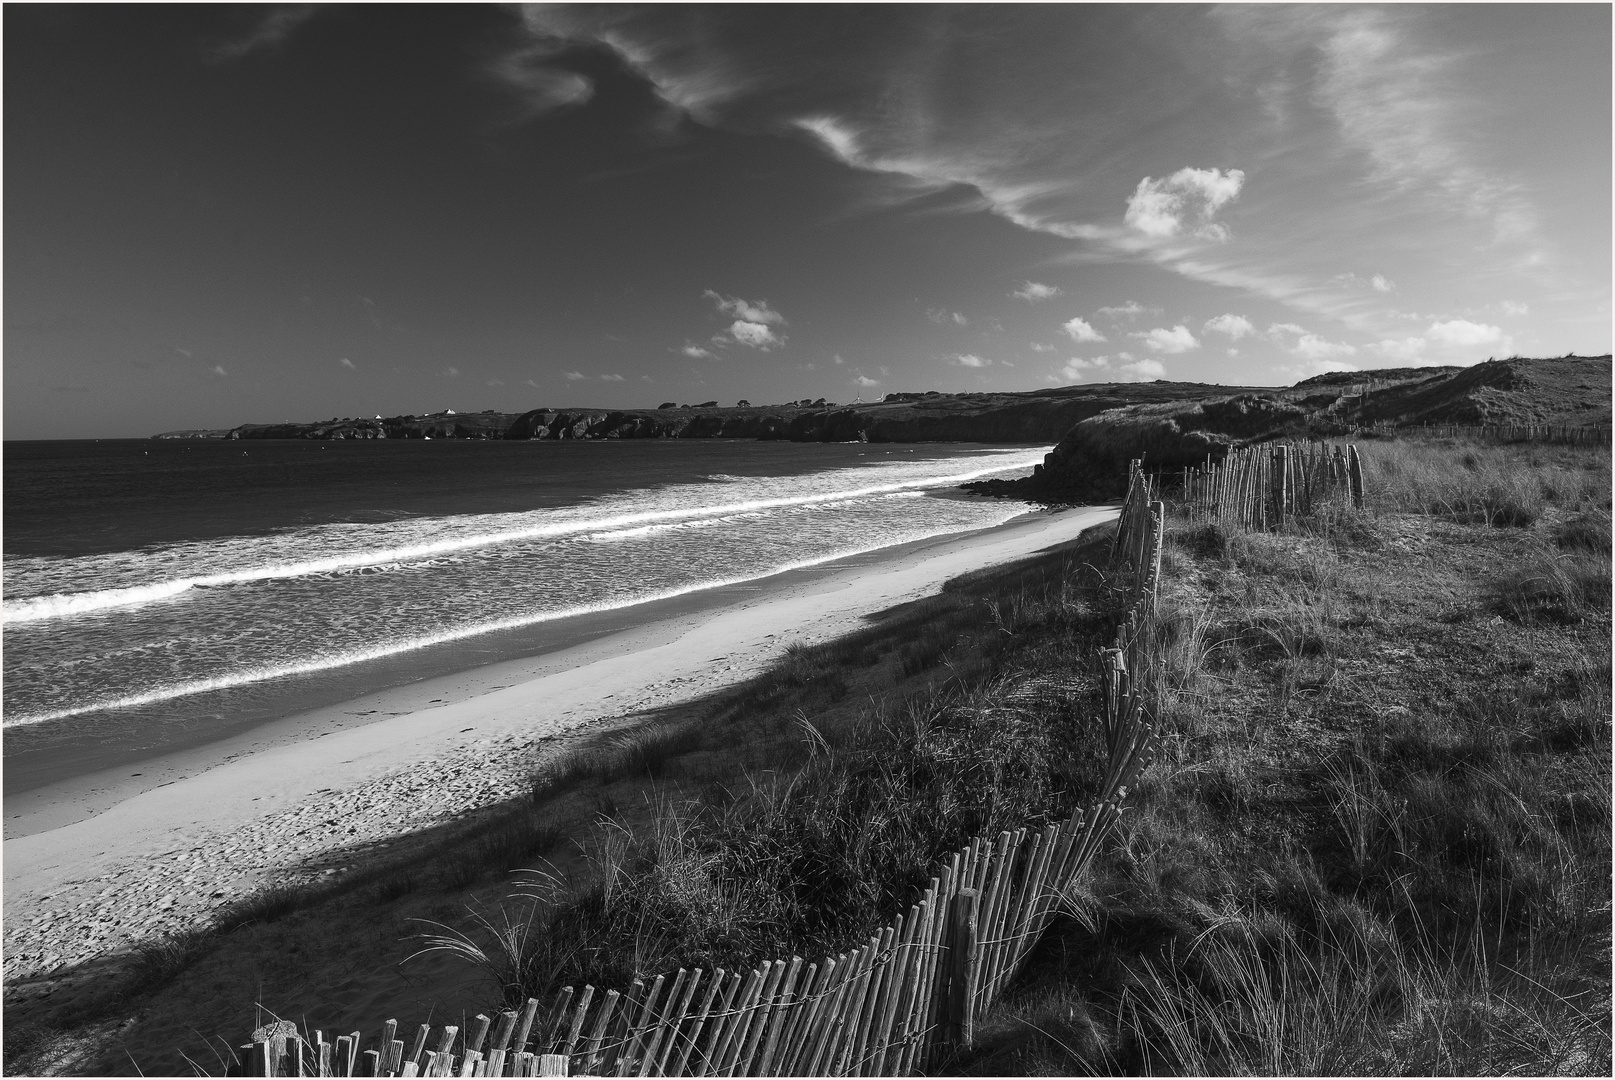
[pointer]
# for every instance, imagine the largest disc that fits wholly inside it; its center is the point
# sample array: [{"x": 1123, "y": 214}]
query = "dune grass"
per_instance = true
[
  {"x": 1378, "y": 840},
  {"x": 960, "y": 730}
]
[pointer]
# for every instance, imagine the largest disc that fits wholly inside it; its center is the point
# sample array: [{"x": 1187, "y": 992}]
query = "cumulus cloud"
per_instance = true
[
  {"x": 218, "y": 370},
  {"x": 1235, "y": 326},
  {"x": 1123, "y": 369},
  {"x": 1038, "y": 346},
  {"x": 1381, "y": 283},
  {"x": 1079, "y": 330},
  {"x": 345, "y": 362},
  {"x": 1140, "y": 370},
  {"x": 574, "y": 376},
  {"x": 696, "y": 352},
  {"x": 942, "y": 315},
  {"x": 1158, "y": 208},
  {"x": 1076, "y": 369},
  {"x": 1307, "y": 368},
  {"x": 866, "y": 381},
  {"x": 837, "y": 359},
  {"x": 1511, "y": 308},
  {"x": 971, "y": 360},
  {"x": 1130, "y": 310},
  {"x": 755, "y": 334},
  {"x": 451, "y": 373},
  {"x": 1033, "y": 291},
  {"x": 1176, "y": 340},
  {"x": 1464, "y": 332},
  {"x": 745, "y": 310},
  {"x": 1453, "y": 341},
  {"x": 1302, "y": 343},
  {"x": 1313, "y": 347},
  {"x": 1405, "y": 350}
]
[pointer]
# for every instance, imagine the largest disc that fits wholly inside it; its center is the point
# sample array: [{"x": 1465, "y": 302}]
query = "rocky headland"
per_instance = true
[{"x": 1098, "y": 428}]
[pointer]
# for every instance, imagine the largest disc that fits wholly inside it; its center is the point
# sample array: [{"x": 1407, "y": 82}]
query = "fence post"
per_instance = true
[
  {"x": 964, "y": 961},
  {"x": 552, "y": 1065},
  {"x": 1354, "y": 469}
]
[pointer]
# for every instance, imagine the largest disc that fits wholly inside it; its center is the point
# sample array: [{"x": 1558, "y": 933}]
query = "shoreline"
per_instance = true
[{"x": 101, "y": 869}]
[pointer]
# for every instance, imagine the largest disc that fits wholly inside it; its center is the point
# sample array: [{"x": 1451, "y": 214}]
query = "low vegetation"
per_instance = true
[
  {"x": 1379, "y": 838},
  {"x": 1376, "y": 839}
]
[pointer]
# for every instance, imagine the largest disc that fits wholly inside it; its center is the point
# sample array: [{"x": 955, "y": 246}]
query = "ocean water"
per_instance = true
[{"x": 165, "y": 593}]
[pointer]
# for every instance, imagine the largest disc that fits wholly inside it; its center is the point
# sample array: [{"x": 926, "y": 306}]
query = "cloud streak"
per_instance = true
[{"x": 269, "y": 34}]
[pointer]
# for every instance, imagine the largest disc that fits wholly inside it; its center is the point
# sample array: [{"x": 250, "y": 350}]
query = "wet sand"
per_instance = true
[{"x": 104, "y": 861}]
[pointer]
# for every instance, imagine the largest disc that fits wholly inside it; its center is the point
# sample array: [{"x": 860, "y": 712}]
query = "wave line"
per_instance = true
[
  {"x": 308, "y": 667},
  {"x": 64, "y": 605}
]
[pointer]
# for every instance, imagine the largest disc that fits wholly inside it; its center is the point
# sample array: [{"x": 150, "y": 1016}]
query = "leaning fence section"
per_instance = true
[
  {"x": 1564, "y": 434},
  {"x": 1262, "y": 487},
  {"x": 886, "y": 1007}
]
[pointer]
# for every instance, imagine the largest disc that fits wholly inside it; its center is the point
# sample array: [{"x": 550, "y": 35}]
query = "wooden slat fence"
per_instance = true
[
  {"x": 1567, "y": 434},
  {"x": 884, "y": 1008},
  {"x": 1257, "y": 488}
]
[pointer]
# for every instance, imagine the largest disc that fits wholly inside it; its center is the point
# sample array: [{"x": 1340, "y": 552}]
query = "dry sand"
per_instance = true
[{"x": 98, "y": 866}]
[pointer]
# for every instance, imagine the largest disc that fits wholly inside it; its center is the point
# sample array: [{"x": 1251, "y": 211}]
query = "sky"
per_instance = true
[{"x": 224, "y": 215}]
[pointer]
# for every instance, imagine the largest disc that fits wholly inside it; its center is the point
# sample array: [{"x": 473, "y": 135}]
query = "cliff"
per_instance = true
[
  {"x": 1098, "y": 428},
  {"x": 1085, "y": 464}
]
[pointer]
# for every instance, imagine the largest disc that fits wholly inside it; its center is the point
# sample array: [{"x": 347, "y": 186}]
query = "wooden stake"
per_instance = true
[
  {"x": 962, "y": 974},
  {"x": 713, "y": 986}
]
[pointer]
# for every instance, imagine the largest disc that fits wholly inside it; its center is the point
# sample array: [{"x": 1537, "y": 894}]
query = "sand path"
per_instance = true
[{"x": 162, "y": 859}]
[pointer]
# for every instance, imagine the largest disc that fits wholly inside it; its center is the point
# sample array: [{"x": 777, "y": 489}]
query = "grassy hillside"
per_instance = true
[{"x": 1377, "y": 839}]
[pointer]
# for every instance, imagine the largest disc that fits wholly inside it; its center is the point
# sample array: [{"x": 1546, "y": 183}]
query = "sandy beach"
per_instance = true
[{"x": 104, "y": 862}]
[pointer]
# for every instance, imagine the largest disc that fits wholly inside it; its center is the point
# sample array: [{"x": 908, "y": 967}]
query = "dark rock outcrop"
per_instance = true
[
  {"x": 1086, "y": 464},
  {"x": 1175, "y": 423}
]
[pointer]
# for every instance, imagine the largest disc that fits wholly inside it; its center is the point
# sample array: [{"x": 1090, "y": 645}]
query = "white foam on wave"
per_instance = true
[
  {"x": 65, "y": 605},
  {"x": 248, "y": 676}
]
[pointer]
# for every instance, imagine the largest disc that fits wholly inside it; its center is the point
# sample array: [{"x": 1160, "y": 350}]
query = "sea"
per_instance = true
[{"x": 161, "y": 594}]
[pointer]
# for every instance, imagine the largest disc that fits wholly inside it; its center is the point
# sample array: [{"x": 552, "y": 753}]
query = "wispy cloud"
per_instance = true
[
  {"x": 1130, "y": 310},
  {"x": 268, "y": 34},
  {"x": 970, "y": 360},
  {"x": 537, "y": 86},
  {"x": 1034, "y": 291},
  {"x": 575, "y": 376},
  {"x": 611, "y": 378},
  {"x": 345, "y": 362},
  {"x": 1394, "y": 100},
  {"x": 696, "y": 352},
  {"x": 451, "y": 373}
]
